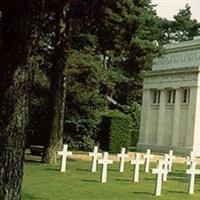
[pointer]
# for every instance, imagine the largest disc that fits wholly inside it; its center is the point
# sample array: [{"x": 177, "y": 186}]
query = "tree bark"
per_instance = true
[
  {"x": 17, "y": 39},
  {"x": 57, "y": 91}
]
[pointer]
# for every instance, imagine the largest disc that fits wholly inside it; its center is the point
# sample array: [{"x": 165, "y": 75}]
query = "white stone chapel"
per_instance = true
[{"x": 171, "y": 100}]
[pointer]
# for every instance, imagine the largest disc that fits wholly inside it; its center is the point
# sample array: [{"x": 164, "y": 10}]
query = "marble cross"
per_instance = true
[
  {"x": 159, "y": 171},
  {"x": 95, "y": 155},
  {"x": 165, "y": 164},
  {"x": 105, "y": 162},
  {"x": 122, "y": 157},
  {"x": 147, "y": 158},
  {"x": 171, "y": 159},
  {"x": 191, "y": 158},
  {"x": 192, "y": 172},
  {"x": 136, "y": 162},
  {"x": 64, "y": 153}
]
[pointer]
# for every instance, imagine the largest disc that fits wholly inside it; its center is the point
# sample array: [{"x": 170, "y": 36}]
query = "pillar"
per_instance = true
[
  {"x": 161, "y": 118},
  {"x": 193, "y": 139},
  {"x": 146, "y": 102},
  {"x": 191, "y": 118},
  {"x": 176, "y": 119}
]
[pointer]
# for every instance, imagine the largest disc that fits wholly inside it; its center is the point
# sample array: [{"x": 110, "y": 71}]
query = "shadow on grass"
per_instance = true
[
  {"x": 113, "y": 170},
  {"x": 85, "y": 170},
  {"x": 72, "y": 159},
  {"x": 89, "y": 181},
  {"x": 32, "y": 161},
  {"x": 32, "y": 197},
  {"x": 145, "y": 193},
  {"x": 150, "y": 179},
  {"x": 178, "y": 192},
  {"x": 124, "y": 180},
  {"x": 181, "y": 177},
  {"x": 52, "y": 169}
]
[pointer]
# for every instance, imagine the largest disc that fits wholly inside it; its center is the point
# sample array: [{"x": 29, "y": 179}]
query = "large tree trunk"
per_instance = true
[
  {"x": 57, "y": 88},
  {"x": 17, "y": 40}
]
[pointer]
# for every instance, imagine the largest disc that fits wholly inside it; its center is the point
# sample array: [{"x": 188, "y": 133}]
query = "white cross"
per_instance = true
[
  {"x": 122, "y": 157},
  {"x": 136, "y": 162},
  {"x": 192, "y": 172},
  {"x": 171, "y": 159},
  {"x": 159, "y": 171},
  {"x": 147, "y": 158},
  {"x": 64, "y": 153},
  {"x": 165, "y": 163},
  {"x": 105, "y": 162},
  {"x": 191, "y": 158},
  {"x": 94, "y": 156}
]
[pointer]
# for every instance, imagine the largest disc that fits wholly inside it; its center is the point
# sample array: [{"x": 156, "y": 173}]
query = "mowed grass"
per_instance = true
[{"x": 45, "y": 182}]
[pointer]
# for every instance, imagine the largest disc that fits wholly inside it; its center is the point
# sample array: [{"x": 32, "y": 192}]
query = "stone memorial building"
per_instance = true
[{"x": 171, "y": 100}]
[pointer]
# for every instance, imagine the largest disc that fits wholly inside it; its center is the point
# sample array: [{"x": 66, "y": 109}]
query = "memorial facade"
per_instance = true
[{"x": 171, "y": 100}]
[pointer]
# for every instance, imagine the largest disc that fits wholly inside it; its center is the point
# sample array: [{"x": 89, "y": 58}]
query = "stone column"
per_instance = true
[
  {"x": 176, "y": 119},
  {"x": 191, "y": 118},
  {"x": 161, "y": 117},
  {"x": 192, "y": 141},
  {"x": 146, "y": 102}
]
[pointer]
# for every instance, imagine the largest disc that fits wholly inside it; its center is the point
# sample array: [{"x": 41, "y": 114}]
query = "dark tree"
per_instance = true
[
  {"x": 18, "y": 35},
  {"x": 57, "y": 84}
]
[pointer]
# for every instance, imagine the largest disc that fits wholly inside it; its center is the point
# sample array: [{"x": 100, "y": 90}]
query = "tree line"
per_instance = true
[{"x": 63, "y": 64}]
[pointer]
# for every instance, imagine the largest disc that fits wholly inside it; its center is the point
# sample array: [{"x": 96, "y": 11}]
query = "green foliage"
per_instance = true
[
  {"x": 109, "y": 42},
  {"x": 184, "y": 27},
  {"x": 84, "y": 100},
  {"x": 115, "y": 131},
  {"x": 134, "y": 111},
  {"x": 181, "y": 28}
]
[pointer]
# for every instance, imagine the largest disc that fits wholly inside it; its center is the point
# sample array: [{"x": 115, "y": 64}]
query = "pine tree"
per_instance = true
[
  {"x": 184, "y": 27},
  {"x": 181, "y": 28}
]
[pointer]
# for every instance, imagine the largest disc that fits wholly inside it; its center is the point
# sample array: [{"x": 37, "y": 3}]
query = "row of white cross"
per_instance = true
[{"x": 163, "y": 167}]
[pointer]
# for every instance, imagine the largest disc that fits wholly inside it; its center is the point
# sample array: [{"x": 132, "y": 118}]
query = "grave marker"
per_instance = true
[
  {"x": 122, "y": 157},
  {"x": 191, "y": 158},
  {"x": 64, "y": 153},
  {"x": 105, "y": 162},
  {"x": 94, "y": 156},
  {"x": 171, "y": 159},
  {"x": 159, "y": 171},
  {"x": 136, "y": 162},
  {"x": 165, "y": 164},
  {"x": 192, "y": 173},
  {"x": 147, "y": 157}
]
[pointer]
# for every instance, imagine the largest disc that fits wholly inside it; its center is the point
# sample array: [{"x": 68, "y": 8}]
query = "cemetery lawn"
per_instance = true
[{"x": 45, "y": 182}]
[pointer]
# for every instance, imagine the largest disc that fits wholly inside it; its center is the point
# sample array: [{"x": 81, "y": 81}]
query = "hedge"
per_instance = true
[{"x": 115, "y": 131}]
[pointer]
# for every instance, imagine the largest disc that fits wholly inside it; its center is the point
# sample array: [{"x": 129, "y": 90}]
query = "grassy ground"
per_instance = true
[{"x": 44, "y": 182}]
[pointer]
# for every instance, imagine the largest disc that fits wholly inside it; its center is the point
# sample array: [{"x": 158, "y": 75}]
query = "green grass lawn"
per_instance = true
[{"x": 45, "y": 182}]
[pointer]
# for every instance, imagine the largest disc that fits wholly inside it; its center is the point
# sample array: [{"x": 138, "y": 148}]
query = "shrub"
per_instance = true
[
  {"x": 115, "y": 131},
  {"x": 134, "y": 111}
]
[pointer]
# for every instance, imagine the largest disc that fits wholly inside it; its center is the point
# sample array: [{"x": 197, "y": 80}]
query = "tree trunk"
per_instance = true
[
  {"x": 57, "y": 91},
  {"x": 17, "y": 40}
]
